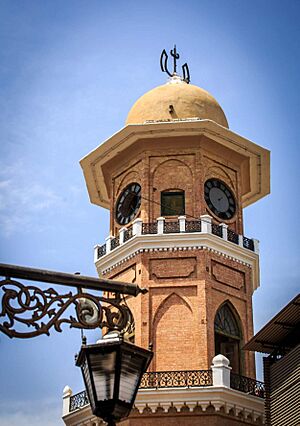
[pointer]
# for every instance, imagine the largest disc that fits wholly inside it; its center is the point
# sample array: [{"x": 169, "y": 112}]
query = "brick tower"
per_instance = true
[{"x": 176, "y": 180}]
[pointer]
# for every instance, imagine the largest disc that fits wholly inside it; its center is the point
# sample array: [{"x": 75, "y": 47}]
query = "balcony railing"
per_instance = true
[
  {"x": 78, "y": 401},
  {"x": 149, "y": 228},
  {"x": 247, "y": 385},
  {"x": 193, "y": 226},
  {"x": 128, "y": 234},
  {"x": 176, "y": 379},
  {"x": 183, "y": 379},
  {"x": 171, "y": 227},
  {"x": 161, "y": 226},
  {"x": 217, "y": 230}
]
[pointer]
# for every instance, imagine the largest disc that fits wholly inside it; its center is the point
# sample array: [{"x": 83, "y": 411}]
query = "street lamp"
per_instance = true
[{"x": 112, "y": 370}]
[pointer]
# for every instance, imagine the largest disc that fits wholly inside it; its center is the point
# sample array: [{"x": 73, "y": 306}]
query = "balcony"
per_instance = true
[
  {"x": 217, "y": 388},
  {"x": 182, "y": 379},
  {"x": 180, "y": 226}
]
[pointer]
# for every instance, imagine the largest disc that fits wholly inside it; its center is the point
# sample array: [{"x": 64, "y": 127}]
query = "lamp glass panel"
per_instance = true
[
  {"x": 88, "y": 384},
  {"x": 103, "y": 370},
  {"x": 131, "y": 371}
]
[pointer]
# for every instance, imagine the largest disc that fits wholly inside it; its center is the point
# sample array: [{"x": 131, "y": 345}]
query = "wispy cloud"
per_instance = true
[
  {"x": 22, "y": 199},
  {"x": 34, "y": 413}
]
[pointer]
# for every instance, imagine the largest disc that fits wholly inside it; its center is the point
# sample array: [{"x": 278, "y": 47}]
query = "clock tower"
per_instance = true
[{"x": 176, "y": 180}]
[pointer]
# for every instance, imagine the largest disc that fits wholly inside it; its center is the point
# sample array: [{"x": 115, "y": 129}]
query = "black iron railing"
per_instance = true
[
  {"x": 174, "y": 227},
  {"x": 193, "y": 226},
  {"x": 232, "y": 236},
  {"x": 176, "y": 379},
  {"x": 248, "y": 243},
  {"x": 149, "y": 228},
  {"x": 101, "y": 250},
  {"x": 247, "y": 385},
  {"x": 115, "y": 243},
  {"x": 171, "y": 227},
  {"x": 217, "y": 230},
  {"x": 78, "y": 401},
  {"x": 128, "y": 234}
]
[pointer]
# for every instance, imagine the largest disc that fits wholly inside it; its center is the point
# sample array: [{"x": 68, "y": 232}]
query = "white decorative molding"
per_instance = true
[
  {"x": 256, "y": 245},
  {"x": 221, "y": 371},
  {"x": 206, "y": 221},
  {"x": 224, "y": 230},
  {"x": 108, "y": 243},
  {"x": 256, "y": 170},
  {"x": 67, "y": 393},
  {"x": 182, "y": 220},
  {"x": 160, "y": 225},
  {"x": 96, "y": 248},
  {"x": 121, "y": 234},
  {"x": 180, "y": 242},
  {"x": 241, "y": 241},
  {"x": 137, "y": 227},
  {"x": 216, "y": 396}
]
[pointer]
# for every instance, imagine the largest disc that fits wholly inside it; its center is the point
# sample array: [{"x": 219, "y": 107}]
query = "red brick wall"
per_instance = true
[
  {"x": 173, "y": 418},
  {"x": 185, "y": 288},
  {"x": 180, "y": 163},
  {"x": 177, "y": 315}
]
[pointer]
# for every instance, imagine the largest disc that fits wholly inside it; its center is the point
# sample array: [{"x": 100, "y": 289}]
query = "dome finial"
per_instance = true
[{"x": 175, "y": 55}]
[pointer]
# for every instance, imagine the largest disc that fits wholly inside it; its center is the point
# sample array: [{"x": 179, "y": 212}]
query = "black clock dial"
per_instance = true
[
  {"x": 219, "y": 198},
  {"x": 128, "y": 203}
]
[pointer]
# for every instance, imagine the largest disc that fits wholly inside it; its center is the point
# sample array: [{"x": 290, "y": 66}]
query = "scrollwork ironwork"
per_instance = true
[
  {"x": 232, "y": 236},
  {"x": 40, "y": 310},
  {"x": 247, "y": 385},
  {"x": 248, "y": 243},
  {"x": 128, "y": 234},
  {"x": 193, "y": 226},
  {"x": 173, "y": 379},
  {"x": 101, "y": 250},
  {"x": 176, "y": 379},
  {"x": 217, "y": 230},
  {"x": 114, "y": 243},
  {"x": 149, "y": 228},
  {"x": 78, "y": 400},
  {"x": 171, "y": 227}
]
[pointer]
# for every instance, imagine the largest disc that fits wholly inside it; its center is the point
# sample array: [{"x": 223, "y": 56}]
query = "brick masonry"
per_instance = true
[
  {"x": 185, "y": 292},
  {"x": 185, "y": 288},
  {"x": 184, "y": 418},
  {"x": 178, "y": 163}
]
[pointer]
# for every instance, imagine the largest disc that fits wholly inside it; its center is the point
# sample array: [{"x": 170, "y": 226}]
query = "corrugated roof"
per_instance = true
[{"x": 283, "y": 331}]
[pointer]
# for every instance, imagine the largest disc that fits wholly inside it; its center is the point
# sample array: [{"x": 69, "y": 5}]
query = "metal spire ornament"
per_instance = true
[{"x": 164, "y": 64}]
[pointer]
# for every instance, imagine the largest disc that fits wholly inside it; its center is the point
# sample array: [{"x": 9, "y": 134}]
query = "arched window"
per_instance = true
[
  {"x": 172, "y": 203},
  {"x": 228, "y": 337}
]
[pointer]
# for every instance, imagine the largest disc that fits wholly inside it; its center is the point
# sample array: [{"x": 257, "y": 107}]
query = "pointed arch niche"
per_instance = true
[
  {"x": 173, "y": 338},
  {"x": 228, "y": 336}
]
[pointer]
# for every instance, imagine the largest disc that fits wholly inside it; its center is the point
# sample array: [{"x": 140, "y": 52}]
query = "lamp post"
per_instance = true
[{"x": 112, "y": 370}]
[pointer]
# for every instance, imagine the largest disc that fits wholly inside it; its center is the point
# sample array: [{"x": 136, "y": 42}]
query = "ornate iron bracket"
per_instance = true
[{"x": 29, "y": 307}]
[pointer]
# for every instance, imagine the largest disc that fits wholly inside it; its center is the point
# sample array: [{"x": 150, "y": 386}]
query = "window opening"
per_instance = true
[
  {"x": 228, "y": 337},
  {"x": 172, "y": 203}
]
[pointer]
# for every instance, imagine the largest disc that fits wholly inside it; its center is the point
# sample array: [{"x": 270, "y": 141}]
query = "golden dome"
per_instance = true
[{"x": 176, "y": 100}]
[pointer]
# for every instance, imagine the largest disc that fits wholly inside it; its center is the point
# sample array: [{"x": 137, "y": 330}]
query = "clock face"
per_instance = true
[
  {"x": 219, "y": 199},
  {"x": 128, "y": 203}
]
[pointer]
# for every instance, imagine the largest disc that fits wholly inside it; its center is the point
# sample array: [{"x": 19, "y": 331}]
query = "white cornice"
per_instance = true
[
  {"x": 219, "y": 397},
  {"x": 258, "y": 157},
  {"x": 180, "y": 242}
]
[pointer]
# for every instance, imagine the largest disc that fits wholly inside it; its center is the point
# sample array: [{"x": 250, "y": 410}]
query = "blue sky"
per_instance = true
[{"x": 69, "y": 73}]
